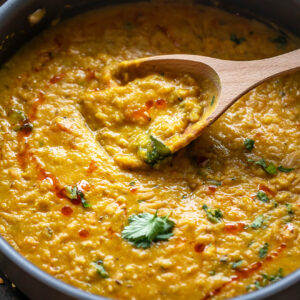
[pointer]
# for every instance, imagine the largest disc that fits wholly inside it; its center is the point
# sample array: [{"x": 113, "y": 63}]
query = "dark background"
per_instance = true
[{"x": 7, "y": 292}]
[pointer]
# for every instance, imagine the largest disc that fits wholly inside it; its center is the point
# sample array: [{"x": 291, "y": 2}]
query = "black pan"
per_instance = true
[{"x": 15, "y": 30}]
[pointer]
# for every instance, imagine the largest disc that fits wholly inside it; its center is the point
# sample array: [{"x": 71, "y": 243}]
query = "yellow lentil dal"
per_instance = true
[{"x": 65, "y": 197}]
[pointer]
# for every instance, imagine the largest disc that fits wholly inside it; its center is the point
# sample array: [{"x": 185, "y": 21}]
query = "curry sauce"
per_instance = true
[{"x": 217, "y": 219}]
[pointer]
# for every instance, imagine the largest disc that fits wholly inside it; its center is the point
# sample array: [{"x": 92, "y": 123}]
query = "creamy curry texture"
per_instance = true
[{"x": 218, "y": 219}]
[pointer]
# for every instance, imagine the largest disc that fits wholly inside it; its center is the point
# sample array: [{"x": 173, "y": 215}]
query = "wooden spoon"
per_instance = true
[{"x": 232, "y": 79}]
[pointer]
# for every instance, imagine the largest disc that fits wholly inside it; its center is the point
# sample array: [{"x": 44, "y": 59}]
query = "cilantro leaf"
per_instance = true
[
  {"x": 154, "y": 151},
  {"x": 213, "y": 215},
  {"x": 100, "y": 268},
  {"x": 236, "y": 264},
  {"x": 249, "y": 144},
  {"x": 262, "y": 196},
  {"x": 269, "y": 168},
  {"x": 73, "y": 193},
  {"x": 263, "y": 251},
  {"x": 145, "y": 228},
  {"x": 285, "y": 170},
  {"x": 258, "y": 222},
  {"x": 261, "y": 163},
  {"x": 212, "y": 100},
  {"x": 289, "y": 208}
]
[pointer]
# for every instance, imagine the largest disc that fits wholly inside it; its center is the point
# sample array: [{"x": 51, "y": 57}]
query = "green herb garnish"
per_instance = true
[
  {"x": 266, "y": 279},
  {"x": 213, "y": 215},
  {"x": 249, "y": 144},
  {"x": 132, "y": 183},
  {"x": 72, "y": 192},
  {"x": 258, "y": 222},
  {"x": 285, "y": 170},
  {"x": 212, "y": 100},
  {"x": 236, "y": 264},
  {"x": 100, "y": 268},
  {"x": 263, "y": 251},
  {"x": 262, "y": 196},
  {"x": 154, "y": 151},
  {"x": 145, "y": 228},
  {"x": 289, "y": 208},
  {"x": 235, "y": 39},
  {"x": 269, "y": 168}
]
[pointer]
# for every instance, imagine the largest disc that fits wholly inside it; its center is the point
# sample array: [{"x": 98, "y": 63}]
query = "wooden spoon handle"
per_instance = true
[{"x": 239, "y": 77}]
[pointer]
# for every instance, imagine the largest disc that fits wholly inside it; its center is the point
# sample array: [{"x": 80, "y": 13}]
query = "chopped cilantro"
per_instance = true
[
  {"x": 265, "y": 280},
  {"x": 145, "y": 228},
  {"x": 236, "y": 264},
  {"x": 212, "y": 100},
  {"x": 132, "y": 183},
  {"x": 258, "y": 222},
  {"x": 285, "y": 170},
  {"x": 213, "y": 215},
  {"x": 262, "y": 196},
  {"x": 184, "y": 196},
  {"x": 84, "y": 203},
  {"x": 154, "y": 151},
  {"x": 72, "y": 192},
  {"x": 100, "y": 268},
  {"x": 263, "y": 251},
  {"x": 270, "y": 168},
  {"x": 249, "y": 144},
  {"x": 212, "y": 273},
  {"x": 235, "y": 39},
  {"x": 289, "y": 208},
  {"x": 280, "y": 41}
]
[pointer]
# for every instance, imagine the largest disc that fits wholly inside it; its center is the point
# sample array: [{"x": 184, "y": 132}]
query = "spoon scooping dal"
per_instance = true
[{"x": 232, "y": 80}]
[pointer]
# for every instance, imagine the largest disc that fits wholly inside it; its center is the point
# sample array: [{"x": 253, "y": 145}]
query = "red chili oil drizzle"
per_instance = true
[
  {"x": 133, "y": 190},
  {"x": 160, "y": 103},
  {"x": 57, "y": 78},
  {"x": 83, "y": 233},
  {"x": 199, "y": 247},
  {"x": 266, "y": 190},
  {"x": 141, "y": 114},
  {"x": 234, "y": 228},
  {"x": 149, "y": 104},
  {"x": 212, "y": 189},
  {"x": 67, "y": 211},
  {"x": 92, "y": 167},
  {"x": 246, "y": 272}
]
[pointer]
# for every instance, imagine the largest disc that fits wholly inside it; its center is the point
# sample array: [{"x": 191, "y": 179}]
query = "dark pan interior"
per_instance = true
[{"x": 15, "y": 30}]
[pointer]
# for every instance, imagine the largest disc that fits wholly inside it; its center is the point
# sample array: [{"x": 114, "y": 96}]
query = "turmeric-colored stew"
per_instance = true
[{"x": 92, "y": 194}]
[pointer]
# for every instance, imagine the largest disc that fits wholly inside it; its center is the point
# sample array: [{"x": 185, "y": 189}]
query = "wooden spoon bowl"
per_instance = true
[{"x": 232, "y": 79}]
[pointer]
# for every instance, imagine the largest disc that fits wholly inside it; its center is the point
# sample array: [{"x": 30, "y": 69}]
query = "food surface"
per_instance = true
[{"x": 218, "y": 219}]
